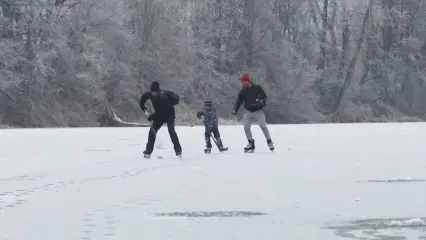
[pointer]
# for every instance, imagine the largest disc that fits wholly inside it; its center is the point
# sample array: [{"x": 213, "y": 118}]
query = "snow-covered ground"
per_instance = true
[{"x": 365, "y": 181}]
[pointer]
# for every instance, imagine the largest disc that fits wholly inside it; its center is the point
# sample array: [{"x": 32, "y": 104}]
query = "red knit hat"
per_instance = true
[{"x": 245, "y": 78}]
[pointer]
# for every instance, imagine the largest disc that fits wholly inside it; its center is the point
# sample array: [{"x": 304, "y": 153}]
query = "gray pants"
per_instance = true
[{"x": 259, "y": 117}]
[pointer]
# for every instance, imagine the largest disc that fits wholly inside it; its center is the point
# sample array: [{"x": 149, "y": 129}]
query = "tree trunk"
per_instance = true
[{"x": 321, "y": 63}]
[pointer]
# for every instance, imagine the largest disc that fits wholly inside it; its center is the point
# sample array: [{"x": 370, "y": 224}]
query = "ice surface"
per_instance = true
[{"x": 347, "y": 181}]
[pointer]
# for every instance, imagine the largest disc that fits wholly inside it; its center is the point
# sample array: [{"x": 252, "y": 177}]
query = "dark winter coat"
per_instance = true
[
  {"x": 162, "y": 104},
  {"x": 254, "y": 98}
]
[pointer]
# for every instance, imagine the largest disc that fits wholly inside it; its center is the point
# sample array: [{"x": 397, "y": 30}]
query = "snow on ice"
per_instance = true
[{"x": 330, "y": 181}]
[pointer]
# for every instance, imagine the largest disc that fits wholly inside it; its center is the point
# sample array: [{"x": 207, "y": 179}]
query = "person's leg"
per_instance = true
[
  {"x": 217, "y": 136},
  {"x": 260, "y": 117},
  {"x": 247, "y": 121},
  {"x": 151, "y": 137},
  {"x": 173, "y": 135},
  {"x": 216, "y": 132},
  {"x": 207, "y": 134}
]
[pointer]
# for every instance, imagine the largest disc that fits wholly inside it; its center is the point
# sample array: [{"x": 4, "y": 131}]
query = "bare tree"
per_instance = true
[{"x": 62, "y": 62}]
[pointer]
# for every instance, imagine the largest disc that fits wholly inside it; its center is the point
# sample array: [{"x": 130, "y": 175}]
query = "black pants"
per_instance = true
[
  {"x": 156, "y": 125},
  {"x": 208, "y": 132}
]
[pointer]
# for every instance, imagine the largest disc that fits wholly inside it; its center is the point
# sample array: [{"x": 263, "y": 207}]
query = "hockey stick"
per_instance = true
[
  {"x": 217, "y": 145},
  {"x": 150, "y": 125},
  {"x": 158, "y": 142}
]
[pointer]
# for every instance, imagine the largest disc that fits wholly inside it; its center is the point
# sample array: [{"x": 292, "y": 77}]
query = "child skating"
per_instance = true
[{"x": 211, "y": 126}]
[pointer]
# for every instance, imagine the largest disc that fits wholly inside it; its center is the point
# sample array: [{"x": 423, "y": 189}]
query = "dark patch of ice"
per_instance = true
[{"x": 399, "y": 180}]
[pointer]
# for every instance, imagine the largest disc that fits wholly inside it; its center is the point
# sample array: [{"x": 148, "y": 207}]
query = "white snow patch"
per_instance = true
[
  {"x": 407, "y": 223},
  {"x": 52, "y": 187}
]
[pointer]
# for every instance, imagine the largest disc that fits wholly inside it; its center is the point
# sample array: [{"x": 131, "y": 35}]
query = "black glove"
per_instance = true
[
  {"x": 150, "y": 117},
  {"x": 199, "y": 114},
  {"x": 258, "y": 105},
  {"x": 262, "y": 102},
  {"x": 234, "y": 112}
]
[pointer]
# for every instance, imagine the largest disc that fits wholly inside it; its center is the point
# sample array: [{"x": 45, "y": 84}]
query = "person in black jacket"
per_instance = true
[
  {"x": 254, "y": 98},
  {"x": 163, "y": 103}
]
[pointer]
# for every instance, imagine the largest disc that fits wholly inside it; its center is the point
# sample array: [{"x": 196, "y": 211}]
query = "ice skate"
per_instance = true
[
  {"x": 250, "y": 147},
  {"x": 270, "y": 145},
  {"x": 146, "y": 154},
  {"x": 208, "y": 150}
]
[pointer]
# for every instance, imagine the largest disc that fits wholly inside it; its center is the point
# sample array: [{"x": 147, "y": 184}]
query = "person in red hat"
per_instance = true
[{"x": 254, "y": 98}]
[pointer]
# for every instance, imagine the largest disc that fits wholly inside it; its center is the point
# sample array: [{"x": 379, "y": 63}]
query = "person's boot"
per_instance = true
[
  {"x": 250, "y": 146},
  {"x": 146, "y": 154},
  {"x": 208, "y": 148},
  {"x": 270, "y": 145}
]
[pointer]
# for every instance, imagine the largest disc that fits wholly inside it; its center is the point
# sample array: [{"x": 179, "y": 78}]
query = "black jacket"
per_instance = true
[
  {"x": 162, "y": 105},
  {"x": 254, "y": 98}
]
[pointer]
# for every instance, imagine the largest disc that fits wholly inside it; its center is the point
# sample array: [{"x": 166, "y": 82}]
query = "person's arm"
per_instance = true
[
  {"x": 262, "y": 97},
  {"x": 239, "y": 101},
  {"x": 143, "y": 100},
  {"x": 152, "y": 117},
  {"x": 172, "y": 96},
  {"x": 260, "y": 101}
]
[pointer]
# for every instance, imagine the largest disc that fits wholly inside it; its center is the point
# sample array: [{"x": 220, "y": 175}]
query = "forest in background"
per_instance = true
[{"x": 63, "y": 62}]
